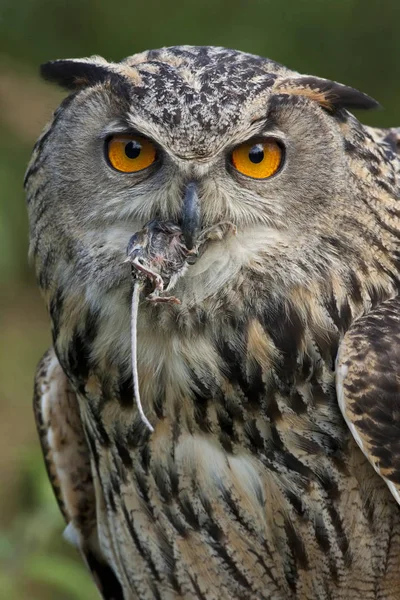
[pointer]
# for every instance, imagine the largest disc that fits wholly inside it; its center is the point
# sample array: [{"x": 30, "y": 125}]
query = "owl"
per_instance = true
[{"x": 217, "y": 241}]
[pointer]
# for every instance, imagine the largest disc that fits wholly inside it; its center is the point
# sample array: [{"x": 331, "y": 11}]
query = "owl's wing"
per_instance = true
[
  {"x": 368, "y": 388},
  {"x": 67, "y": 461}
]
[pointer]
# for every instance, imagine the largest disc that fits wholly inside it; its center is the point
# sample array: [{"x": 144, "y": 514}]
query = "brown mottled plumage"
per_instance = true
[{"x": 253, "y": 484}]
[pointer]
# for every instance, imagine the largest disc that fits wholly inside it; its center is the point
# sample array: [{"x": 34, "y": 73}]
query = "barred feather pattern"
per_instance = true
[{"x": 251, "y": 485}]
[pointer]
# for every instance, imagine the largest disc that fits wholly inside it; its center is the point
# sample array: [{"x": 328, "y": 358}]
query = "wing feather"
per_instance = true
[
  {"x": 368, "y": 388},
  {"x": 67, "y": 460}
]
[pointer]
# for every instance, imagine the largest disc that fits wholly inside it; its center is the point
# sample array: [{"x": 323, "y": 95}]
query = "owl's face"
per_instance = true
[{"x": 264, "y": 148}]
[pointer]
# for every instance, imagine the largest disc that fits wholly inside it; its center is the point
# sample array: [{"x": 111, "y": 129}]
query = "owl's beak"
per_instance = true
[{"x": 190, "y": 223}]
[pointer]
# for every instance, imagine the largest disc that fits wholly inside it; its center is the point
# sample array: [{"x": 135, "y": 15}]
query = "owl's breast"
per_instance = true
[
  {"x": 247, "y": 478},
  {"x": 243, "y": 488}
]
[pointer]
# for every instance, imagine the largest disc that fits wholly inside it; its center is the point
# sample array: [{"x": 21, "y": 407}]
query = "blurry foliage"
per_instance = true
[
  {"x": 36, "y": 563},
  {"x": 352, "y": 41}
]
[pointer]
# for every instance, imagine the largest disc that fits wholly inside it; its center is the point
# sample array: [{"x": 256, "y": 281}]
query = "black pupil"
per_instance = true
[
  {"x": 256, "y": 154},
  {"x": 133, "y": 149}
]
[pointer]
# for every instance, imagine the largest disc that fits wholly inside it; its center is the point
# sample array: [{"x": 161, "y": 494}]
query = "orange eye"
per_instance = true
[
  {"x": 258, "y": 159},
  {"x": 130, "y": 153}
]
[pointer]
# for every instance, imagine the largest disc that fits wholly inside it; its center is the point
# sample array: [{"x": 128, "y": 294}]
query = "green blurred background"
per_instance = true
[{"x": 353, "y": 41}]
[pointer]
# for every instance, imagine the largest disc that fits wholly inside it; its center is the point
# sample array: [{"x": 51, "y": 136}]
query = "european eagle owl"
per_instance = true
[{"x": 232, "y": 429}]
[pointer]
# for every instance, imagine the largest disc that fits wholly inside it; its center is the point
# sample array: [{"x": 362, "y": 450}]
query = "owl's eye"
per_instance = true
[
  {"x": 130, "y": 153},
  {"x": 259, "y": 160}
]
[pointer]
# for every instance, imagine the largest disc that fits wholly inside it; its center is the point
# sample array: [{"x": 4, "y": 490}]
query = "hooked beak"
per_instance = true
[{"x": 190, "y": 215}]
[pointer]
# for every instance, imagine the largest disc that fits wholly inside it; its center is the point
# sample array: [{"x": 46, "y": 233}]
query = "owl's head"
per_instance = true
[{"x": 202, "y": 135}]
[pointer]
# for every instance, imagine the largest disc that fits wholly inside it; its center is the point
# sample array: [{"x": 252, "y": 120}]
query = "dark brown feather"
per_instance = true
[{"x": 369, "y": 388}]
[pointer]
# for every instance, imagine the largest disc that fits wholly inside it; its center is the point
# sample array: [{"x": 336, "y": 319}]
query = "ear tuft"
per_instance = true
[
  {"x": 74, "y": 73},
  {"x": 329, "y": 94}
]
